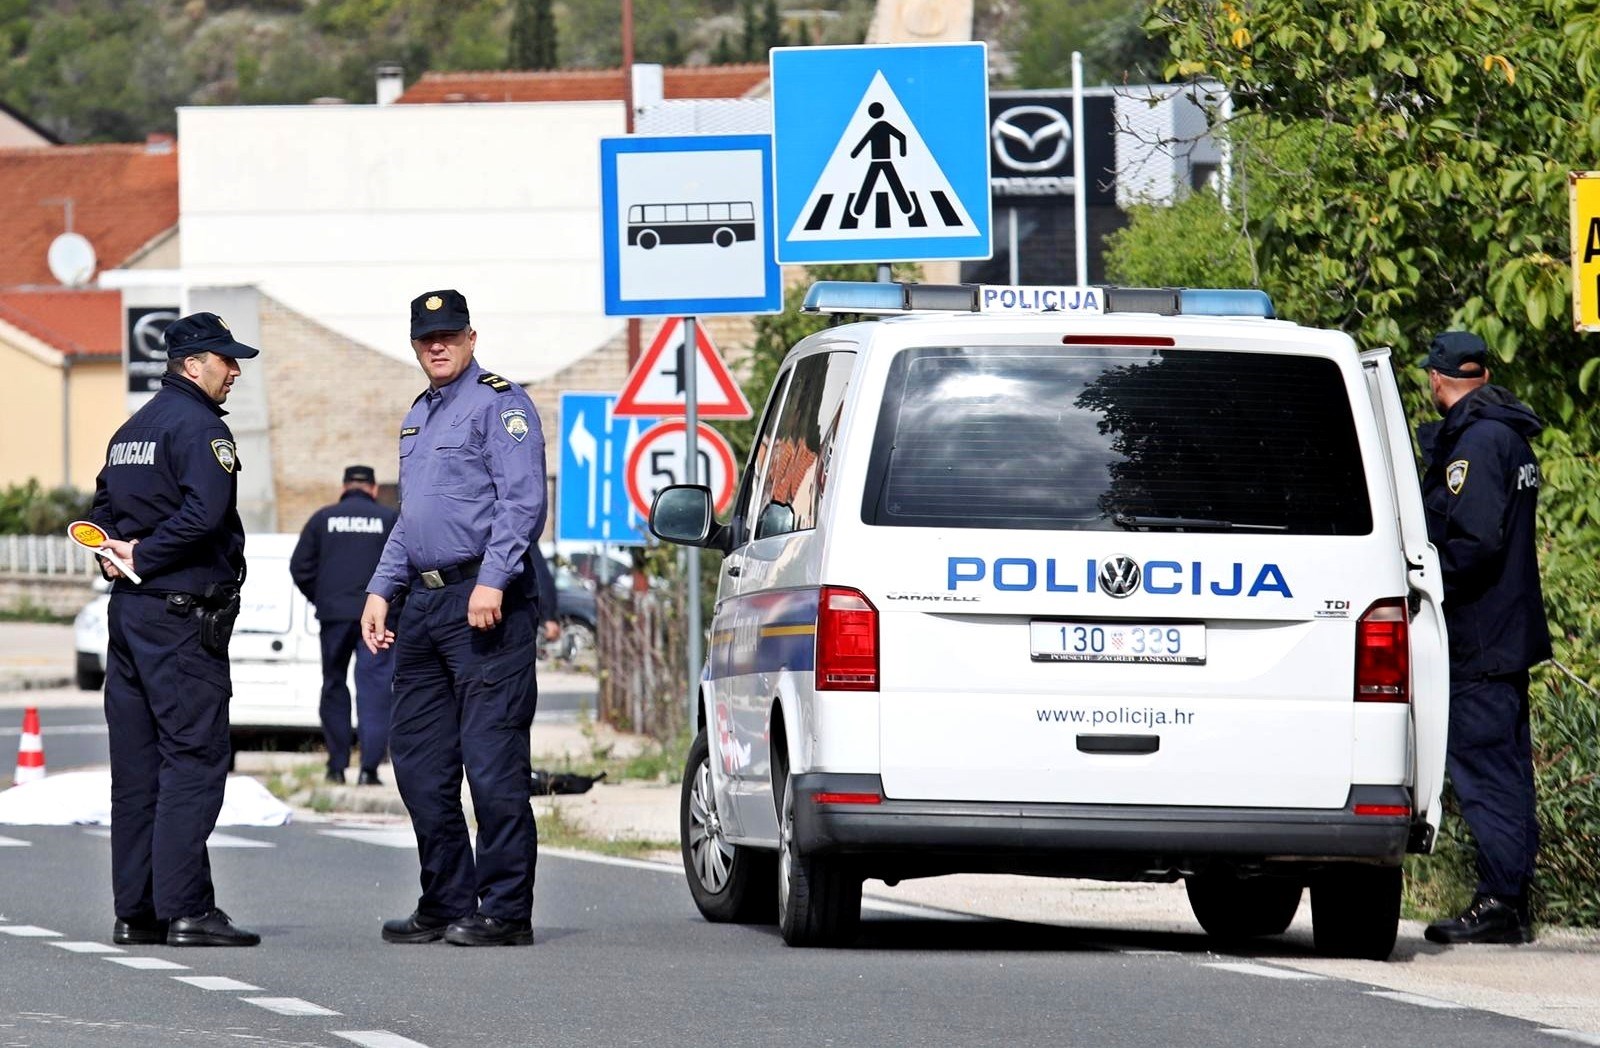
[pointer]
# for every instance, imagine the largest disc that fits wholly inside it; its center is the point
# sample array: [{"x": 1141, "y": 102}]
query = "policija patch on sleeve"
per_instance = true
[
  {"x": 1455, "y": 476},
  {"x": 516, "y": 423},
  {"x": 226, "y": 458}
]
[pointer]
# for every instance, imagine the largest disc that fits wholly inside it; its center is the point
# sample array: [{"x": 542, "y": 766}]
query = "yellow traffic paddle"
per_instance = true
[{"x": 92, "y": 536}]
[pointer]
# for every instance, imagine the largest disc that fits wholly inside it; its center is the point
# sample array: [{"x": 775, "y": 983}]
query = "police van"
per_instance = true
[{"x": 1130, "y": 584}]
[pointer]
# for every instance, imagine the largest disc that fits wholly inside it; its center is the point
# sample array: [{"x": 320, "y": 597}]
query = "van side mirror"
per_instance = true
[{"x": 683, "y": 513}]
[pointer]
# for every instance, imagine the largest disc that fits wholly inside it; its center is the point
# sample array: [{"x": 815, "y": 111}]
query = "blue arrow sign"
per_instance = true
[
  {"x": 881, "y": 154},
  {"x": 592, "y": 502}
]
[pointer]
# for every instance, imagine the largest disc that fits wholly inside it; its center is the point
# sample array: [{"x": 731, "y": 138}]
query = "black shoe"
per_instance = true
[
  {"x": 1488, "y": 920},
  {"x": 208, "y": 929},
  {"x": 139, "y": 931},
  {"x": 419, "y": 927},
  {"x": 335, "y": 776},
  {"x": 368, "y": 777},
  {"x": 479, "y": 930}
]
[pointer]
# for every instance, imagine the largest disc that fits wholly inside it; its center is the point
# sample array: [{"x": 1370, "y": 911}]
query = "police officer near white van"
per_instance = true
[
  {"x": 168, "y": 495},
  {"x": 472, "y": 506},
  {"x": 1480, "y": 487},
  {"x": 334, "y": 559}
]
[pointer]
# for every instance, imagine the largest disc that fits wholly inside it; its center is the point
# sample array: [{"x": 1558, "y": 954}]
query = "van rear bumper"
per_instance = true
[{"x": 973, "y": 836}]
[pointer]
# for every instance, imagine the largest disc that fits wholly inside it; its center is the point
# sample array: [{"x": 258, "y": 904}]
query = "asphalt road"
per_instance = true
[{"x": 623, "y": 958}]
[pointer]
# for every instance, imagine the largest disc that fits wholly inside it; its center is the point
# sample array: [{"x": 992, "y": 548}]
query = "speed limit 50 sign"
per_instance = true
[{"x": 661, "y": 456}]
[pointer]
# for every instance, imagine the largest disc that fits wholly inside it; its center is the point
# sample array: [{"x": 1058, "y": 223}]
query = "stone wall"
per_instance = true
[{"x": 57, "y": 595}]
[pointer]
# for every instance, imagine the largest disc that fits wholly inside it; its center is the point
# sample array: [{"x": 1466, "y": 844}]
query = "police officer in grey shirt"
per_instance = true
[{"x": 472, "y": 486}]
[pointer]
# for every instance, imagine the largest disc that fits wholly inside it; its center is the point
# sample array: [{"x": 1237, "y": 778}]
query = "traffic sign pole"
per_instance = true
[{"x": 691, "y": 469}]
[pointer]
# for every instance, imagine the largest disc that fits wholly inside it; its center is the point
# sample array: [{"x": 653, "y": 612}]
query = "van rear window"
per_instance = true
[{"x": 1097, "y": 439}]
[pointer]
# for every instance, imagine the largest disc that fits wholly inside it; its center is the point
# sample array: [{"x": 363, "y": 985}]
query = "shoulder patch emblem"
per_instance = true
[
  {"x": 1455, "y": 476},
  {"x": 494, "y": 382},
  {"x": 223, "y": 449},
  {"x": 410, "y": 431},
  {"x": 516, "y": 423}
]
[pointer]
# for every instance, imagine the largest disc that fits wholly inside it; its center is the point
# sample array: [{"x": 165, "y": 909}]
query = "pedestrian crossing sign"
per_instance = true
[{"x": 881, "y": 154}]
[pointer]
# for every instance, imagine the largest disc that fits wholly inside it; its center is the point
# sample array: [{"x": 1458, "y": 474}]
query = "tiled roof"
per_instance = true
[
  {"x": 123, "y": 196},
  {"x": 582, "y": 85},
  {"x": 79, "y": 323}
]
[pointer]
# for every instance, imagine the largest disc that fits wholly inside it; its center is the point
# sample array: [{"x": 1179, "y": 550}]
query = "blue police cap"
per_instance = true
[
  {"x": 204, "y": 333},
  {"x": 360, "y": 474},
  {"x": 439, "y": 311},
  {"x": 1458, "y": 354}
]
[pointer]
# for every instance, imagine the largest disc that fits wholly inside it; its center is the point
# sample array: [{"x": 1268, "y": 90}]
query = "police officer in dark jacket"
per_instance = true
[
  {"x": 169, "y": 495},
  {"x": 1480, "y": 487},
  {"x": 472, "y": 506},
  {"x": 332, "y": 563}
]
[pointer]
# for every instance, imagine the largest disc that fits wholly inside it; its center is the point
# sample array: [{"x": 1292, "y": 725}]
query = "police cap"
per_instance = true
[
  {"x": 439, "y": 311},
  {"x": 204, "y": 333},
  {"x": 1458, "y": 354},
  {"x": 359, "y": 475}
]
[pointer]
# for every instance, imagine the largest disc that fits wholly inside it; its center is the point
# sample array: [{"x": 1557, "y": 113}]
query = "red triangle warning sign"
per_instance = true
[{"x": 655, "y": 387}]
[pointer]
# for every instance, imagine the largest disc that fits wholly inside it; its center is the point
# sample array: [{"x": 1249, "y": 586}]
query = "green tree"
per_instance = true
[{"x": 533, "y": 35}]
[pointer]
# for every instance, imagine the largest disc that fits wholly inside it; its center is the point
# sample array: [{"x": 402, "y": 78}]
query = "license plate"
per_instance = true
[{"x": 1177, "y": 643}]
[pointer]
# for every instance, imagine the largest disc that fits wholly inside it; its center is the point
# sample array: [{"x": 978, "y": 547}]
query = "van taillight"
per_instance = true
[
  {"x": 1383, "y": 653},
  {"x": 847, "y": 641}
]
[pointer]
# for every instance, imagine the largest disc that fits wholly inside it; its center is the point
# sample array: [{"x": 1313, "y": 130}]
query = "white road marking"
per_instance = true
[
  {"x": 288, "y": 1006},
  {"x": 12, "y": 842},
  {"x": 215, "y": 982},
  {"x": 228, "y": 840},
  {"x": 1573, "y": 1035},
  {"x": 1414, "y": 998},
  {"x": 88, "y": 947},
  {"x": 1246, "y": 968},
  {"x": 385, "y": 838},
  {"x": 63, "y": 729},
  {"x": 28, "y": 931},
  {"x": 377, "y": 1039},
  {"x": 612, "y": 860},
  {"x": 148, "y": 964},
  {"x": 907, "y": 909}
]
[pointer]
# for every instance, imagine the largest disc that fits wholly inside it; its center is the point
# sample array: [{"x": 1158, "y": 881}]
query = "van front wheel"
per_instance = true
[
  {"x": 730, "y": 883},
  {"x": 819, "y": 898},
  {"x": 1355, "y": 911}
]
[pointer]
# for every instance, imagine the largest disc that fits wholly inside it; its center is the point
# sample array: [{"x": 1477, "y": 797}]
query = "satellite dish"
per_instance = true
[{"x": 71, "y": 259}]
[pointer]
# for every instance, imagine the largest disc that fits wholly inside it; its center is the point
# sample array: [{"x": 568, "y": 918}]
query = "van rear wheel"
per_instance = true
[
  {"x": 1231, "y": 908},
  {"x": 819, "y": 897},
  {"x": 730, "y": 883},
  {"x": 1355, "y": 911}
]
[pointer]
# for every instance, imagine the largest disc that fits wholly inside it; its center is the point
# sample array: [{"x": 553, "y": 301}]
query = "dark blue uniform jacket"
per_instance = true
[
  {"x": 1480, "y": 486},
  {"x": 171, "y": 481},
  {"x": 337, "y": 551}
]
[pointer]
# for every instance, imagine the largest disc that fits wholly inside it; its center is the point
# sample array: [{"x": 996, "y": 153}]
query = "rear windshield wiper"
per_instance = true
[{"x": 1134, "y": 522}]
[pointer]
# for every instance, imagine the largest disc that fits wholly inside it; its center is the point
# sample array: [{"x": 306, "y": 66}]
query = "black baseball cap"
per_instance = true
[
  {"x": 204, "y": 333},
  {"x": 360, "y": 474},
  {"x": 1458, "y": 354},
  {"x": 439, "y": 311}
]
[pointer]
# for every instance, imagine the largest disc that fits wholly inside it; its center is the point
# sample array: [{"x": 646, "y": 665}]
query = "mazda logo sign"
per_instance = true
[
  {"x": 1119, "y": 576},
  {"x": 1031, "y": 138},
  {"x": 147, "y": 340}
]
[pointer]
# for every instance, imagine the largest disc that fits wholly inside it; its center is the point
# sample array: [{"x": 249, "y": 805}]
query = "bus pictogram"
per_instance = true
[{"x": 722, "y": 223}]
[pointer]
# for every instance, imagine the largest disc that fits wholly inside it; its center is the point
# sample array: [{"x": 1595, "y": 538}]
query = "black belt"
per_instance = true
[{"x": 442, "y": 577}]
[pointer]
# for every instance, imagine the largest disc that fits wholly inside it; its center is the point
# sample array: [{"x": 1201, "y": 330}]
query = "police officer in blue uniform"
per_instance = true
[
  {"x": 169, "y": 495},
  {"x": 472, "y": 487},
  {"x": 1480, "y": 487},
  {"x": 338, "y": 550}
]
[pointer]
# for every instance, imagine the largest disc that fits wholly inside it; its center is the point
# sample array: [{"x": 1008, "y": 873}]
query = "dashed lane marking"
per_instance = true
[
  {"x": 1246, "y": 968},
  {"x": 148, "y": 964},
  {"x": 228, "y": 840},
  {"x": 1414, "y": 998},
  {"x": 216, "y": 982},
  {"x": 1572, "y": 1035},
  {"x": 377, "y": 1039},
  {"x": 288, "y": 1006},
  {"x": 28, "y": 931},
  {"x": 12, "y": 842},
  {"x": 88, "y": 947},
  {"x": 385, "y": 838}
]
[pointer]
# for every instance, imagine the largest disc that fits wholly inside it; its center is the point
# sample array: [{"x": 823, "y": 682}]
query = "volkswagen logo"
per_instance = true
[
  {"x": 1031, "y": 138},
  {"x": 1119, "y": 576}
]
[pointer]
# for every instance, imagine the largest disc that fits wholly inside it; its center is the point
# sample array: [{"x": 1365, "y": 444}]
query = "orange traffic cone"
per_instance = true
[{"x": 30, "y": 750}]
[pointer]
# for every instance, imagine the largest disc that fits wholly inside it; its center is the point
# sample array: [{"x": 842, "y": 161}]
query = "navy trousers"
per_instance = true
[
  {"x": 1490, "y": 760},
  {"x": 167, "y": 711},
  {"x": 464, "y": 699},
  {"x": 374, "y": 696}
]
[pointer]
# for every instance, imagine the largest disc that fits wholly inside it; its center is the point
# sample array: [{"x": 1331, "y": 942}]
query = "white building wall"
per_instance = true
[{"x": 345, "y": 213}]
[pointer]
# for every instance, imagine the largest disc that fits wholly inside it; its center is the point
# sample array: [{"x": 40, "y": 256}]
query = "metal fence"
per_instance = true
[
  {"x": 640, "y": 640},
  {"x": 45, "y": 555}
]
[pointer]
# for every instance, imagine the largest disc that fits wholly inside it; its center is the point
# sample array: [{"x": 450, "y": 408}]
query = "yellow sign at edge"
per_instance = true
[{"x": 1583, "y": 189}]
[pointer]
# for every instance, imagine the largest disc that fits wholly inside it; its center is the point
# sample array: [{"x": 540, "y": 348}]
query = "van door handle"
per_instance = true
[{"x": 1119, "y": 743}]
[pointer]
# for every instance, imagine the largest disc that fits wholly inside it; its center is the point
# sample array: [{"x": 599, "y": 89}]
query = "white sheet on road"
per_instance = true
[{"x": 83, "y": 798}]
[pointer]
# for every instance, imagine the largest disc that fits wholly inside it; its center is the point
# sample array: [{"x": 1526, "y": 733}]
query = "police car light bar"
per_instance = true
[{"x": 851, "y": 296}]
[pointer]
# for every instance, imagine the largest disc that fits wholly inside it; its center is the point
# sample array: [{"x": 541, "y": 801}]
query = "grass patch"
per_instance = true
[
  {"x": 28, "y": 611},
  {"x": 287, "y": 783},
  {"x": 659, "y": 761},
  {"x": 557, "y": 830}
]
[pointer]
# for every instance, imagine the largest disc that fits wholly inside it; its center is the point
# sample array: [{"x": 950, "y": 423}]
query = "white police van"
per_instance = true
[{"x": 1130, "y": 584}]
